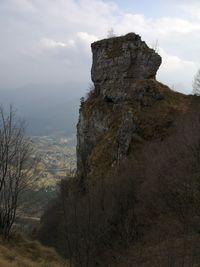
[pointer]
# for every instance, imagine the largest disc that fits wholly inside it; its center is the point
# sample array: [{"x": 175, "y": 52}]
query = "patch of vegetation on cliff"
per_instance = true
[
  {"x": 115, "y": 51},
  {"x": 101, "y": 156},
  {"x": 154, "y": 107},
  {"x": 95, "y": 103}
]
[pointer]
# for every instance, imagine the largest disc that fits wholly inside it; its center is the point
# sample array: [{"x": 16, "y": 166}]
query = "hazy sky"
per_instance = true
[{"x": 48, "y": 41}]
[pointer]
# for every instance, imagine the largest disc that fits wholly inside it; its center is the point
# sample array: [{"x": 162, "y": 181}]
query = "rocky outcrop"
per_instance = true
[
  {"x": 127, "y": 106},
  {"x": 119, "y": 62}
]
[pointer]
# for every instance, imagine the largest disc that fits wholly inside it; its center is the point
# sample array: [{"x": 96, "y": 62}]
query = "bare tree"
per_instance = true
[
  {"x": 155, "y": 46},
  {"x": 15, "y": 167},
  {"x": 196, "y": 84},
  {"x": 111, "y": 33}
]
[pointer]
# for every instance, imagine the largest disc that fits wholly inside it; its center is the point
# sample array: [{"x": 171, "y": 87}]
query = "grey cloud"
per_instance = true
[{"x": 69, "y": 27}]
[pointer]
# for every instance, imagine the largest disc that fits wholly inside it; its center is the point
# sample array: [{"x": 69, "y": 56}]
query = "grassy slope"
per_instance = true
[{"x": 20, "y": 252}]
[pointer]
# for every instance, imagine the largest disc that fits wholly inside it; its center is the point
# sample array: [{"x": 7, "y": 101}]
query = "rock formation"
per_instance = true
[
  {"x": 119, "y": 62},
  {"x": 127, "y": 106}
]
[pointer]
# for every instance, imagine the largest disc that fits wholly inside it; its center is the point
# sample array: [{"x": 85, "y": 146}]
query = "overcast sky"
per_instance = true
[{"x": 48, "y": 41}]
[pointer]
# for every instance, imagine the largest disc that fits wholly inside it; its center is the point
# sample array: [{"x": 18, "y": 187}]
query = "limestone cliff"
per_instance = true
[{"x": 127, "y": 106}]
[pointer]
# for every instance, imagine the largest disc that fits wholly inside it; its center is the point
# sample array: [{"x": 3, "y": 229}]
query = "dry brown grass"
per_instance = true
[{"x": 20, "y": 252}]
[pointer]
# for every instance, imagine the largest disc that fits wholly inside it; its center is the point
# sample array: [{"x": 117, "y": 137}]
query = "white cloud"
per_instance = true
[
  {"x": 176, "y": 72},
  {"x": 53, "y": 38},
  {"x": 193, "y": 10},
  {"x": 48, "y": 43},
  {"x": 69, "y": 49},
  {"x": 173, "y": 63},
  {"x": 176, "y": 25},
  {"x": 162, "y": 26},
  {"x": 18, "y": 6},
  {"x": 88, "y": 38}
]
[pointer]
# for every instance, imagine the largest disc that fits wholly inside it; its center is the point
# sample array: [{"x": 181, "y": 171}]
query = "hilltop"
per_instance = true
[{"x": 127, "y": 106}]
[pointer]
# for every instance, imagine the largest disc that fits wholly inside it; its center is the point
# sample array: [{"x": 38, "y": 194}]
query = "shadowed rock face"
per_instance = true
[
  {"x": 127, "y": 107},
  {"x": 121, "y": 61}
]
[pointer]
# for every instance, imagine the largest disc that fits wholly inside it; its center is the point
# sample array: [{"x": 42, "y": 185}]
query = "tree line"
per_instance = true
[{"x": 154, "y": 196}]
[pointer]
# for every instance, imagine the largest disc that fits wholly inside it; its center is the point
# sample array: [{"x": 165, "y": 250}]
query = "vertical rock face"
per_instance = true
[
  {"x": 119, "y": 62},
  {"x": 112, "y": 119}
]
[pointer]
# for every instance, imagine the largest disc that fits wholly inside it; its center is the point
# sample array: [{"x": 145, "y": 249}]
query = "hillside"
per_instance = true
[{"x": 135, "y": 199}]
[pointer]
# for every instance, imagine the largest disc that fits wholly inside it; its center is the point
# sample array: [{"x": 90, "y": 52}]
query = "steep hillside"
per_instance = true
[
  {"x": 127, "y": 106},
  {"x": 136, "y": 200}
]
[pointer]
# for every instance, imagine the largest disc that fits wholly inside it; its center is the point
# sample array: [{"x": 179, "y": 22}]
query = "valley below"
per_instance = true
[{"x": 57, "y": 160}]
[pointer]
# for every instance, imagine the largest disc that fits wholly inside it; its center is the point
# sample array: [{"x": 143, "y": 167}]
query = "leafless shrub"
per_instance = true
[
  {"x": 196, "y": 84},
  {"x": 111, "y": 33},
  {"x": 15, "y": 167},
  {"x": 91, "y": 221},
  {"x": 155, "y": 46},
  {"x": 92, "y": 92}
]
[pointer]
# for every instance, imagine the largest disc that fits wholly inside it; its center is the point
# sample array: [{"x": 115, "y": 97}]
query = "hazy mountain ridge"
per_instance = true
[{"x": 47, "y": 109}]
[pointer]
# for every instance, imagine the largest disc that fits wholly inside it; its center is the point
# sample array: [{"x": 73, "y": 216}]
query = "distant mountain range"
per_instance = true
[{"x": 48, "y": 109}]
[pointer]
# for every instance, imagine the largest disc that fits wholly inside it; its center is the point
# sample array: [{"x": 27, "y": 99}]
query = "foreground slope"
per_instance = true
[{"x": 25, "y": 253}]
